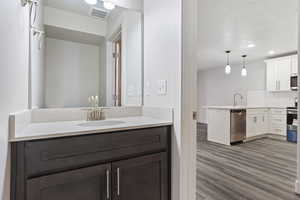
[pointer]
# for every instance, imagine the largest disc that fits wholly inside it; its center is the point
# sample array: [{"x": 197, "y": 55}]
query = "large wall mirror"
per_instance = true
[{"x": 79, "y": 50}]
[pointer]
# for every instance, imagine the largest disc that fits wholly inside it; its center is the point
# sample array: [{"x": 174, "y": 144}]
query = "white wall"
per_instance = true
[
  {"x": 297, "y": 182},
  {"x": 102, "y": 75},
  {"x": 130, "y": 24},
  {"x": 217, "y": 88},
  {"x": 68, "y": 20},
  {"x": 162, "y": 61},
  {"x": 13, "y": 78},
  {"x": 170, "y": 38},
  {"x": 72, "y": 73},
  {"x": 131, "y": 4},
  {"x": 132, "y": 58},
  {"x": 37, "y": 66},
  {"x": 110, "y": 73}
]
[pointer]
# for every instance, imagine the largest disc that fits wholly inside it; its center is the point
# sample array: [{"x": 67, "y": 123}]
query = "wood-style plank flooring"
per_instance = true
[{"x": 263, "y": 169}]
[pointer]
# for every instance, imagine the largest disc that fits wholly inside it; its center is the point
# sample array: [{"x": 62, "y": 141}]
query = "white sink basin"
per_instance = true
[{"x": 101, "y": 123}]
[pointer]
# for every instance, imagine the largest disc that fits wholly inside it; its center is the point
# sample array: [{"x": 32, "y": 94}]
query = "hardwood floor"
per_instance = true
[{"x": 263, "y": 169}]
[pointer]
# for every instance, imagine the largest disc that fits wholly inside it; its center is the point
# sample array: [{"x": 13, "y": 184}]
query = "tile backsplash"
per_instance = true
[{"x": 264, "y": 98}]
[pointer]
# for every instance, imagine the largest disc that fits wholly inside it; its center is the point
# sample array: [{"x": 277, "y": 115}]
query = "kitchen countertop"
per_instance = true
[
  {"x": 243, "y": 107},
  {"x": 46, "y": 130}
]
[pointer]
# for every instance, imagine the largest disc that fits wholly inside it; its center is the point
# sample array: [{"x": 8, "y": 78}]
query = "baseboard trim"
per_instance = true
[
  {"x": 297, "y": 187},
  {"x": 267, "y": 135}
]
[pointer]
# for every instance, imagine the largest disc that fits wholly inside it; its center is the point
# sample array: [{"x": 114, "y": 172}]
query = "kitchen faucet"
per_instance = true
[{"x": 234, "y": 98}]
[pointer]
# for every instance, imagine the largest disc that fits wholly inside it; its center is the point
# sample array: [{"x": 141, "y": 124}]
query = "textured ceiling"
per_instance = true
[
  {"x": 77, "y": 6},
  {"x": 233, "y": 24}
]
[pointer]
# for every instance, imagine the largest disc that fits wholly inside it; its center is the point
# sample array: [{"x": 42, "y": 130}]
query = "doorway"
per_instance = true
[{"x": 249, "y": 75}]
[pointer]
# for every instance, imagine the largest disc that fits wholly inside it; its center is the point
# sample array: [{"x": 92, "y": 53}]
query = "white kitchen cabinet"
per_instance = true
[
  {"x": 272, "y": 75},
  {"x": 278, "y": 74},
  {"x": 257, "y": 122},
  {"x": 294, "y": 68},
  {"x": 264, "y": 121},
  {"x": 278, "y": 121},
  {"x": 251, "y": 127},
  {"x": 284, "y": 73}
]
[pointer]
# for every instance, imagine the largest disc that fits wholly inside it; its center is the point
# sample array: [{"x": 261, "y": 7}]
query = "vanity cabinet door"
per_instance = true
[
  {"x": 144, "y": 178},
  {"x": 91, "y": 183}
]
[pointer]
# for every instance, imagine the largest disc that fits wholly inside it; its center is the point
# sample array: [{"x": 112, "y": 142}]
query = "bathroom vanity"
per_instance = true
[
  {"x": 128, "y": 165},
  {"x": 89, "y": 72}
]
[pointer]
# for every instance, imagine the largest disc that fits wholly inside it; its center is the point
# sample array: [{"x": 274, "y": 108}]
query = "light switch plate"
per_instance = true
[
  {"x": 162, "y": 87},
  {"x": 147, "y": 89}
]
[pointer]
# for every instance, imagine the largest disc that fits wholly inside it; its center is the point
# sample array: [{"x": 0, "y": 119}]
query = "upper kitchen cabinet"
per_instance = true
[
  {"x": 278, "y": 74},
  {"x": 272, "y": 75},
  {"x": 294, "y": 68}
]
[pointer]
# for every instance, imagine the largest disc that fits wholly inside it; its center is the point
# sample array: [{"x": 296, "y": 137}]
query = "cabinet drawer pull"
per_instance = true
[
  {"x": 118, "y": 177},
  {"x": 107, "y": 184}
]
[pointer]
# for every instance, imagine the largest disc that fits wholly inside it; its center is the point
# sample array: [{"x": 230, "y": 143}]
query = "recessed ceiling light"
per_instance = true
[
  {"x": 91, "y": 2},
  {"x": 251, "y": 45},
  {"x": 272, "y": 52},
  {"x": 109, "y": 5}
]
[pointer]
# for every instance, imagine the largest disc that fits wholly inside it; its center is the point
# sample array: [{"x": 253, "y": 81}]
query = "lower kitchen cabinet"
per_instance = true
[
  {"x": 257, "y": 122},
  {"x": 124, "y": 165},
  {"x": 263, "y": 121},
  {"x": 92, "y": 183}
]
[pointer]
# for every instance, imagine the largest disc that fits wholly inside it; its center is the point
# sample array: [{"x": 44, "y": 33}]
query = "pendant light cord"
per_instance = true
[
  {"x": 228, "y": 52},
  {"x": 227, "y": 58},
  {"x": 244, "y": 61}
]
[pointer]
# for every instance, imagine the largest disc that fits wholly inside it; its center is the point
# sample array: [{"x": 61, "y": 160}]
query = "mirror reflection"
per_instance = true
[{"x": 81, "y": 52}]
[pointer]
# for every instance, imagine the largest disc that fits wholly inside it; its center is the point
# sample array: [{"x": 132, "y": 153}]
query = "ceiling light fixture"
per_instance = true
[
  {"x": 272, "y": 52},
  {"x": 109, "y": 5},
  {"x": 244, "y": 70},
  {"x": 91, "y": 2},
  {"x": 251, "y": 45},
  {"x": 228, "y": 67}
]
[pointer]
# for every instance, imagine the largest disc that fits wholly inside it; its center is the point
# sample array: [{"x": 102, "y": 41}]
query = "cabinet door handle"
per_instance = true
[
  {"x": 107, "y": 184},
  {"x": 118, "y": 181}
]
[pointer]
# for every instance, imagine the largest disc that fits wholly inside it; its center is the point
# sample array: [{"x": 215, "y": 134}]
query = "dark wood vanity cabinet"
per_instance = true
[
  {"x": 90, "y": 183},
  {"x": 124, "y": 165},
  {"x": 141, "y": 178}
]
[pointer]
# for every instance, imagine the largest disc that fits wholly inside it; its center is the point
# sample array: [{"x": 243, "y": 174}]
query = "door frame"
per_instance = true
[
  {"x": 110, "y": 66},
  {"x": 118, "y": 70},
  {"x": 189, "y": 98},
  {"x": 297, "y": 182}
]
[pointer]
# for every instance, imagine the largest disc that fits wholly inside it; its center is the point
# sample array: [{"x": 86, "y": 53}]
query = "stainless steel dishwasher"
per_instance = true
[{"x": 237, "y": 125}]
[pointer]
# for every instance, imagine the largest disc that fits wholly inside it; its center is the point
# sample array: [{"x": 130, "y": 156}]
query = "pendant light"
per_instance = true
[
  {"x": 244, "y": 70},
  {"x": 228, "y": 67}
]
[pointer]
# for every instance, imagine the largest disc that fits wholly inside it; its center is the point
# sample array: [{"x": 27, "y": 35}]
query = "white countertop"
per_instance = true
[
  {"x": 48, "y": 130},
  {"x": 243, "y": 107}
]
